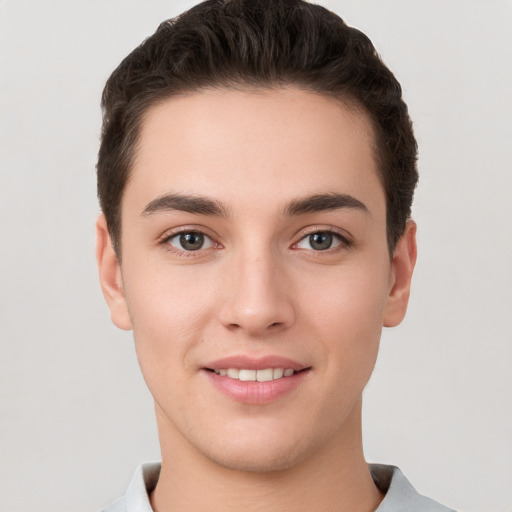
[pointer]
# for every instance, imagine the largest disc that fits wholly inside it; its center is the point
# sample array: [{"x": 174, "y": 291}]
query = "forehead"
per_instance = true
[{"x": 250, "y": 146}]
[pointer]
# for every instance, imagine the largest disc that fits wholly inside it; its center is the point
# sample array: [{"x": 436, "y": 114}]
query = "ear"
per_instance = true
[
  {"x": 402, "y": 266},
  {"x": 110, "y": 276}
]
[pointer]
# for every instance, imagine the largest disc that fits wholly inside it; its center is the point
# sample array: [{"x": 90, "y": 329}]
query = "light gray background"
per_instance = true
[{"x": 75, "y": 415}]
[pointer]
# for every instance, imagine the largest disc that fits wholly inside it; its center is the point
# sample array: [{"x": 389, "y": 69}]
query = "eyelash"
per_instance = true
[
  {"x": 165, "y": 241},
  {"x": 344, "y": 241}
]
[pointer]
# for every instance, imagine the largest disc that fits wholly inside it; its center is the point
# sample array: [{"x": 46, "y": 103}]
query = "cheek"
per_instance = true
[
  {"x": 346, "y": 309},
  {"x": 348, "y": 294},
  {"x": 168, "y": 308},
  {"x": 166, "y": 297}
]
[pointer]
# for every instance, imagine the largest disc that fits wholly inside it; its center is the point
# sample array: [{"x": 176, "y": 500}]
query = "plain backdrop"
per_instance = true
[{"x": 75, "y": 415}]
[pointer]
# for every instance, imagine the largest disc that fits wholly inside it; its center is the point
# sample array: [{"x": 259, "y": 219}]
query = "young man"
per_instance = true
[{"x": 256, "y": 174}]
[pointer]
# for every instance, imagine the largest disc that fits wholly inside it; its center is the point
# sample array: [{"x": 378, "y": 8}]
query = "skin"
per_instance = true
[{"x": 257, "y": 287}]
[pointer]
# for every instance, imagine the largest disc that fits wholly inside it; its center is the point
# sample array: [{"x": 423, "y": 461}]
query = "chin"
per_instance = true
[
  {"x": 259, "y": 454},
  {"x": 249, "y": 462}
]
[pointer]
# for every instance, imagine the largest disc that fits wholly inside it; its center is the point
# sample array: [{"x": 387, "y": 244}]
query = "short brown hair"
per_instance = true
[{"x": 261, "y": 44}]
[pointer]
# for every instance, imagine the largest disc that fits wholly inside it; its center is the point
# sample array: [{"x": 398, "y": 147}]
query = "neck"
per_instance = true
[{"x": 334, "y": 478}]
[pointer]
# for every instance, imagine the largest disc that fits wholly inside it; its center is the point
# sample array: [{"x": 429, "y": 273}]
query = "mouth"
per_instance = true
[{"x": 256, "y": 381}]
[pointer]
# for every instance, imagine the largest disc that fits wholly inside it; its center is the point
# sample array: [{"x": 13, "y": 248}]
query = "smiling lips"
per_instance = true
[{"x": 252, "y": 381}]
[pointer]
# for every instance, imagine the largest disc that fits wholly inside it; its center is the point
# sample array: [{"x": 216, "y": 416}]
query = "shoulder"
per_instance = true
[{"x": 400, "y": 495}]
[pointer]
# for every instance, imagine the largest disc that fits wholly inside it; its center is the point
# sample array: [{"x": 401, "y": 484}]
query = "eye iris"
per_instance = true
[
  {"x": 320, "y": 241},
  {"x": 191, "y": 241}
]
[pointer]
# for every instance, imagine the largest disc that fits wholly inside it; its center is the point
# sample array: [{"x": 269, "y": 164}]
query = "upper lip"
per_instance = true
[{"x": 255, "y": 363}]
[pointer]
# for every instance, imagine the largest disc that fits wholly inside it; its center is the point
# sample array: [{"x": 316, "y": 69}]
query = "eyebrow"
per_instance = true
[
  {"x": 201, "y": 205},
  {"x": 324, "y": 202}
]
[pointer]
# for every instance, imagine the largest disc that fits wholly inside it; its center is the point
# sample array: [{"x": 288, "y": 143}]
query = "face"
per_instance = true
[{"x": 255, "y": 272}]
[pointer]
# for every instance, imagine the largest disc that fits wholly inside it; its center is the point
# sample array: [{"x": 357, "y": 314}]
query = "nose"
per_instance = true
[{"x": 258, "y": 296}]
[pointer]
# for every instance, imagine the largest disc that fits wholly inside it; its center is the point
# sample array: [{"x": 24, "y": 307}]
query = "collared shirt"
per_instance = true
[{"x": 400, "y": 495}]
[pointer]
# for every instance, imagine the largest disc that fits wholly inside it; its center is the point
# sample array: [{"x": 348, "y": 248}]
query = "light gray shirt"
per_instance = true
[{"x": 400, "y": 495}]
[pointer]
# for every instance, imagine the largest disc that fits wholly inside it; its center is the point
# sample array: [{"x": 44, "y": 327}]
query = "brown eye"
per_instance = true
[{"x": 190, "y": 241}]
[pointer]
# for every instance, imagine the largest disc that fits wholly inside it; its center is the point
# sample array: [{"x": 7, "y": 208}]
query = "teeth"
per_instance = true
[
  {"x": 233, "y": 373},
  {"x": 255, "y": 375},
  {"x": 265, "y": 375},
  {"x": 246, "y": 375},
  {"x": 278, "y": 373}
]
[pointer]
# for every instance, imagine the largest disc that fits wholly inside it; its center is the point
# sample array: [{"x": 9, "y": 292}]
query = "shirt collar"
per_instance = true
[
  {"x": 400, "y": 495},
  {"x": 142, "y": 484}
]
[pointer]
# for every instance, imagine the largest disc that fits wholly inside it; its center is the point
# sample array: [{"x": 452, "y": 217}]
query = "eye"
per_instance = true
[
  {"x": 190, "y": 241},
  {"x": 321, "y": 241}
]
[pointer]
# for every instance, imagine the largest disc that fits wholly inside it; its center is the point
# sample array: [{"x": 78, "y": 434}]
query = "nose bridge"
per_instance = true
[{"x": 258, "y": 296}]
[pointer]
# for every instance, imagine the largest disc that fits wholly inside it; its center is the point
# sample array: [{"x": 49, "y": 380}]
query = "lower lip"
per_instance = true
[{"x": 253, "y": 392}]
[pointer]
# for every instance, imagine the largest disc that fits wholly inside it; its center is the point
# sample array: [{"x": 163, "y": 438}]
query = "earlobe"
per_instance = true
[
  {"x": 110, "y": 276},
  {"x": 402, "y": 267}
]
